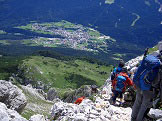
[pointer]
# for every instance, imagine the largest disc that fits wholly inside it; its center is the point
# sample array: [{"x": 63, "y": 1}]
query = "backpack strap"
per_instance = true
[
  {"x": 160, "y": 82},
  {"x": 156, "y": 82},
  {"x": 157, "y": 85}
]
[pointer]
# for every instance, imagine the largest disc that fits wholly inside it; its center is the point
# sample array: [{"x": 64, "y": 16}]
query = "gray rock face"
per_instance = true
[
  {"x": 159, "y": 119},
  {"x": 40, "y": 91},
  {"x": 37, "y": 117},
  {"x": 12, "y": 96},
  {"x": 82, "y": 91},
  {"x": 8, "y": 114},
  {"x": 34, "y": 92},
  {"x": 127, "y": 96},
  {"x": 155, "y": 113},
  {"x": 99, "y": 110},
  {"x": 52, "y": 94},
  {"x": 133, "y": 62}
]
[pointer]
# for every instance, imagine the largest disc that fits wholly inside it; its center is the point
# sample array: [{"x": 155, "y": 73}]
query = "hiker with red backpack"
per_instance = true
[
  {"x": 115, "y": 72},
  {"x": 147, "y": 79},
  {"x": 120, "y": 84}
]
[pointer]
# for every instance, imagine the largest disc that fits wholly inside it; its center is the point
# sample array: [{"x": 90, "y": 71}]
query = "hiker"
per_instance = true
[
  {"x": 147, "y": 79},
  {"x": 115, "y": 72},
  {"x": 120, "y": 83},
  {"x": 79, "y": 100}
]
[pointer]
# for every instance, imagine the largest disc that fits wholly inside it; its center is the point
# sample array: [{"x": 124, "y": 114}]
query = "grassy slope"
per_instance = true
[
  {"x": 59, "y": 73},
  {"x": 8, "y": 65},
  {"x": 64, "y": 74}
]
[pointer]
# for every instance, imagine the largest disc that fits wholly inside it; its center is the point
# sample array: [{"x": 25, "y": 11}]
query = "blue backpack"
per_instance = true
[
  {"x": 147, "y": 72},
  {"x": 115, "y": 71},
  {"x": 120, "y": 83}
]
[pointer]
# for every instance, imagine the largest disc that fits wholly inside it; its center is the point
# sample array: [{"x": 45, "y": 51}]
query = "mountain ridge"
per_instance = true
[{"x": 96, "y": 13}]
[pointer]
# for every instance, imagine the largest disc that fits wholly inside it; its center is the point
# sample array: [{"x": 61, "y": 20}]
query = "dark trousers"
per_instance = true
[{"x": 116, "y": 94}]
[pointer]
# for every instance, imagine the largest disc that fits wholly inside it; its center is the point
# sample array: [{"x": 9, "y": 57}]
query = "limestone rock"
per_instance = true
[
  {"x": 129, "y": 96},
  {"x": 155, "y": 113},
  {"x": 159, "y": 119},
  {"x": 52, "y": 94},
  {"x": 12, "y": 96},
  {"x": 133, "y": 62},
  {"x": 8, "y": 114},
  {"x": 99, "y": 110},
  {"x": 33, "y": 91},
  {"x": 89, "y": 111},
  {"x": 80, "y": 117},
  {"x": 82, "y": 91},
  {"x": 37, "y": 117},
  {"x": 40, "y": 91}
]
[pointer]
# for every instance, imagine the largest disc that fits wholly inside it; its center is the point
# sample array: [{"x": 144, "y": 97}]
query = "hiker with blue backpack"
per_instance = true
[
  {"x": 120, "y": 83},
  {"x": 148, "y": 81},
  {"x": 116, "y": 71}
]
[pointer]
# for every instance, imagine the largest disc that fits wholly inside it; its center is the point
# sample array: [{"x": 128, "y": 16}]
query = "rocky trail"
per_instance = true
[
  {"x": 12, "y": 101},
  {"x": 99, "y": 110}
]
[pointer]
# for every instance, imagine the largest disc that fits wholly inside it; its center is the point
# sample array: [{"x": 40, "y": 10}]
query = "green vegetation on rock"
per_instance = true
[
  {"x": 155, "y": 48},
  {"x": 8, "y": 66}
]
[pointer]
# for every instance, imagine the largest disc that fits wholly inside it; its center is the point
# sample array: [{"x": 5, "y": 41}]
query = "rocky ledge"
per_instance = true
[
  {"x": 99, "y": 110},
  {"x": 12, "y": 115},
  {"x": 12, "y": 96}
]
